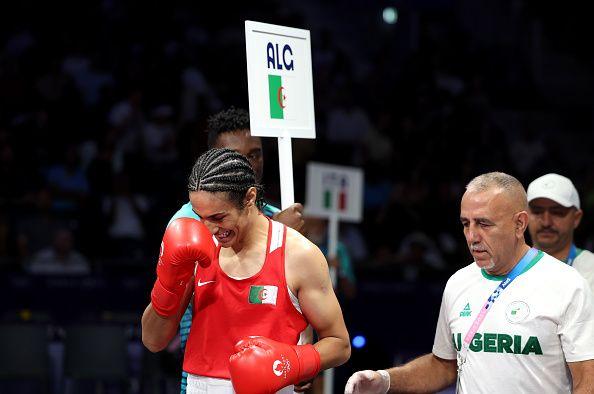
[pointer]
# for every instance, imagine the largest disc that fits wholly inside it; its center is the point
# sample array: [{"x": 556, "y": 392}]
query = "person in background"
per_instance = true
[
  {"x": 554, "y": 207},
  {"x": 60, "y": 259},
  {"x": 316, "y": 230}
]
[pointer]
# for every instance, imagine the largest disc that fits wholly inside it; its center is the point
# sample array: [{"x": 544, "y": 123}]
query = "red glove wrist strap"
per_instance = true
[
  {"x": 309, "y": 361},
  {"x": 164, "y": 302}
]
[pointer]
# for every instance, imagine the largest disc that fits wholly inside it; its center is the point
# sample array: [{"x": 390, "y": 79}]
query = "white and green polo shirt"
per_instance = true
[
  {"x": 544, "y": 318},
  {"x": 584, "y": 264}
]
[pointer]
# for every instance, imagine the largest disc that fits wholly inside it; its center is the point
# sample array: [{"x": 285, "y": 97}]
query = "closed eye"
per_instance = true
[
  {"x": 216, "y": 218},
  {"x": 484, "y": 224}
]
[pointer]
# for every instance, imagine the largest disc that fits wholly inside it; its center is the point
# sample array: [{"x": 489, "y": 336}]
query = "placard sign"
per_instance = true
[
  {"x": 334, "y": 191},
  {"x": 280, "y": 81}
]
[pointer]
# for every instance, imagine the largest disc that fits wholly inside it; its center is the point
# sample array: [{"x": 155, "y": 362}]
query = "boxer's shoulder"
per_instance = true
[
  {"x": 299, "y": 245},
  {"x": 303, "y": 259}
]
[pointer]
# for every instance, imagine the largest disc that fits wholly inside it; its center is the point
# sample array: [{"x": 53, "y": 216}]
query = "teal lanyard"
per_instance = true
[{"x": 572, "y": 255}]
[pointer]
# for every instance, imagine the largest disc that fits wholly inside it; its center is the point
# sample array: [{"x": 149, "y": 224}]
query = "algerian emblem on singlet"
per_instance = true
[{"x": 263, "y": 295}]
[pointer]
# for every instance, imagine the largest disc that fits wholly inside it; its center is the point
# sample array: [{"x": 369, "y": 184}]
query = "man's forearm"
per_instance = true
[
  {"x": 582, "y": 374},
  {"x": 425, "y": 374},
  {"x": 584, "y": 387}
]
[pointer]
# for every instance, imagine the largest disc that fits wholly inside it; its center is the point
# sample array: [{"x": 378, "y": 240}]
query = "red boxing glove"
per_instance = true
[
  {"x": 186, "y": 242},
  {"x": 264, "y": 366}
]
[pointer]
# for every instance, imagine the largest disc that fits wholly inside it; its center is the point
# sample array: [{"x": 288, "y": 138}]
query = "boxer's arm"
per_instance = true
[
  {"x": 158, "y": 331},
  {"x": 262, "y": 365},
  {"x": 307, "y": 270},
  {"x": 186, "y": 242}
]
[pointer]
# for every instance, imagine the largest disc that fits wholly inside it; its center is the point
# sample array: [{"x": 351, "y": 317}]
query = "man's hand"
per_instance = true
[
  {"x": 303, "y": 386},
  {"x": 368, "y": 382},
  {"x": 292, "y": 216}
]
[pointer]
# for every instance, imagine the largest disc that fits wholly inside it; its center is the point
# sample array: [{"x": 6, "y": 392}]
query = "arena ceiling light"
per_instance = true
[{"x": 390, "y": 15}]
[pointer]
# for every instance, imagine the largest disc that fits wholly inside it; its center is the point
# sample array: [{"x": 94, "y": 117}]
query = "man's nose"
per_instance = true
[
  {"x": 473, "y": 234},
  {"x": 546, "y": 219}
]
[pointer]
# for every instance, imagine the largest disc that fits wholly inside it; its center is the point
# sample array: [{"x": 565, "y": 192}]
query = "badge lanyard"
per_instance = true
[
  {"x": 513, "y": 274},
  {"x": 572, "y": 255}
]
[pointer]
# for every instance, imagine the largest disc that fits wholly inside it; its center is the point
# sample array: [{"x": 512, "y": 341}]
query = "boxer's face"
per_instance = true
[
  {"x": 221, "y": 215},
  {"x": 242, "y": 142},
  {"x": 490, "y": 228}
]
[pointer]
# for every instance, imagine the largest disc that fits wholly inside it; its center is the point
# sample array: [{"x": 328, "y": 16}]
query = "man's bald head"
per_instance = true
[
  {"x": 509, "y": 186},
  {"x": 493, "y": 212}
]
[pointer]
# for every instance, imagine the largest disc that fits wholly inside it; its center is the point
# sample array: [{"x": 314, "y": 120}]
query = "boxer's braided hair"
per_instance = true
[{"x": 224, "y": 170}]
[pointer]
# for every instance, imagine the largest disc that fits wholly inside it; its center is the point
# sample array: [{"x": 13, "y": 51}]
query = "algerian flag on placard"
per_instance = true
[
  {"x": 282, "y": 96},
  {"x": 263, "y": 294},
  {"x": 276, "y": 96}
]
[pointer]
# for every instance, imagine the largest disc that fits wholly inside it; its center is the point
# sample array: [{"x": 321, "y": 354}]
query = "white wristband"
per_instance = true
[{"x": 385, "y": 379}]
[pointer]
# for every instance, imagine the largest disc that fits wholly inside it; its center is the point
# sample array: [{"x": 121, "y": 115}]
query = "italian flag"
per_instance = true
[
  {"x": 340, "y": 205},
  {"x": 277, "y": 96},
  {"x": 263, "y": 294}
]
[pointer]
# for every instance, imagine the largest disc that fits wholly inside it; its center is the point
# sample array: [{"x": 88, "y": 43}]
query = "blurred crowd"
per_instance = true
[{"x": 103, "y": 107}]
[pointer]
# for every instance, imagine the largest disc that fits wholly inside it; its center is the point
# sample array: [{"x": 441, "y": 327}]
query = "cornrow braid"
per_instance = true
[{"x": 224, "y": 170}]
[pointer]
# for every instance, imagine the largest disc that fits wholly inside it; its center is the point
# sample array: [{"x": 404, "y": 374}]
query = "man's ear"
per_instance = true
[
  {"x": 577, "y": 218},
  {"x": 521, "y": 222}
]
